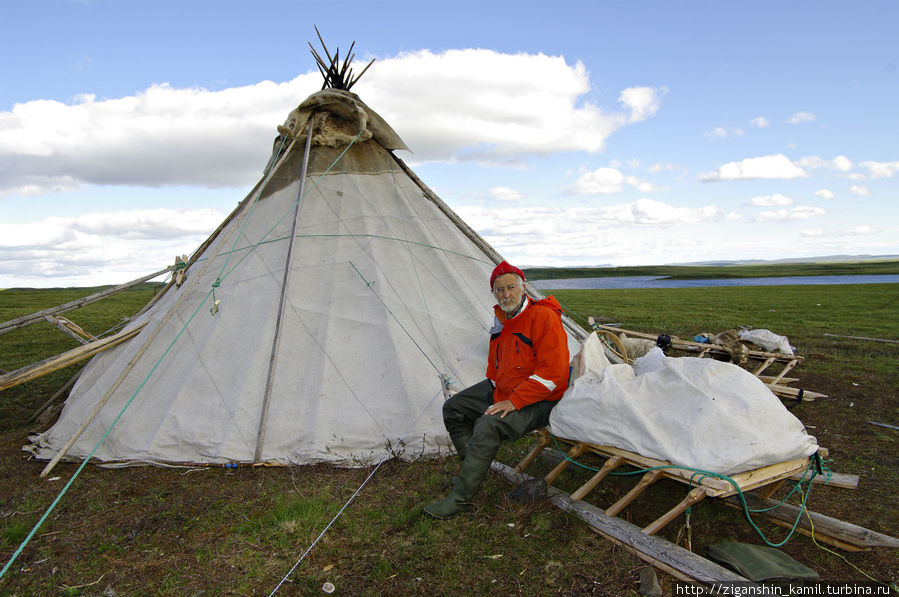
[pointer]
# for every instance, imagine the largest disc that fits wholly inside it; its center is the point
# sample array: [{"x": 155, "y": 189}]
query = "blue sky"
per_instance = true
[{"x": 568, "y": 133}]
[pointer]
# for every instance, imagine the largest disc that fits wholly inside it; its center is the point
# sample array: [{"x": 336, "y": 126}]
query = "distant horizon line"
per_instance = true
[{"x": 725, "y": 262}]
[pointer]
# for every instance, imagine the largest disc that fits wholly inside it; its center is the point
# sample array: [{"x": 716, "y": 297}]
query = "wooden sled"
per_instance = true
[
  {"x": 755, "y": 485},
  {"x": 771, "y": 367}
]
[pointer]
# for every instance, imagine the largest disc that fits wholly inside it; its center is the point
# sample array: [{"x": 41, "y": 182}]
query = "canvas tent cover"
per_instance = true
[
  {"x": 699, "y": 413},
  {"x": 387, "y": 306}
]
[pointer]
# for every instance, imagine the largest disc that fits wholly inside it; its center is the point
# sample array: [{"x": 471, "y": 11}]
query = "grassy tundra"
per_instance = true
[{"x": 157, "y": 531}]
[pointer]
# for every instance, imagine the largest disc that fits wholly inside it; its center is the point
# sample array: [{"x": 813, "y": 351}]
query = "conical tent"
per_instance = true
[{"x": 324, "y": 321}]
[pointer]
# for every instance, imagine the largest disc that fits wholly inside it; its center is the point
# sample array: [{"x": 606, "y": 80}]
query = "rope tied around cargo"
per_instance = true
[{"x": 814, "y": 465}]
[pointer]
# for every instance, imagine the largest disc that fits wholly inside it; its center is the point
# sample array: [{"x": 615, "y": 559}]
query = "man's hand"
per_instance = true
[{"x": 500, "y": 408}]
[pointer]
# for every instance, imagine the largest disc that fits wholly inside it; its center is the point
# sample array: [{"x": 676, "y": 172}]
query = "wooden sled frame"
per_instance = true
[
  {"x": 756, "y": 485},
  {"x": 764, "y": 478},
  {"x": 760, "y": 362}
]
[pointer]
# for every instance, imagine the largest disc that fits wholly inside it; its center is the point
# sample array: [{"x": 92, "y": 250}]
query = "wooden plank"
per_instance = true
[
  {"x": 650, "y": 548},
  {"x": 830, "y": 530},
  {"x": 641, "y": 486},
  {"x": 841, "y": 480},
  {"x": 765, "y": 475},
  {"x": 545, "y": 440},
  {"x": 784, "y": 371},
  {"x": 763, "y": 366},
  {"x": 576, "y": 451},
  {"x": 795, "y": 393},
  {"x": 610, "y": 465},
  {"x": 771, "y": 378},
  {"x": 715, "y": 485},
  {"x": 695, "y": 496},
  {"x": 65, "y": 359}
]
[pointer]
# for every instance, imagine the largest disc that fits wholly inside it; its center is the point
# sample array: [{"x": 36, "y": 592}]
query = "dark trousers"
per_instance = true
[{"x": 478, "y": 435}]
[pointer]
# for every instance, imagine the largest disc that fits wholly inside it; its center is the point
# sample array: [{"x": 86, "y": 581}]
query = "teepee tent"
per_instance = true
[{"x": 324, "y": 321}]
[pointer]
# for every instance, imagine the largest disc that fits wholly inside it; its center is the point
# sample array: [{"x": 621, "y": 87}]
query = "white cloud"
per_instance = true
[
  {"x": 796, "y": 213},
  {"x": 648, "y": 212},
  {"x": 769, "y": 166},
  {"x": 860, "y": 190},
  {"x": 480, "y": 105},
  {"x": 861, "y": 230},
  {"x": 825, "y": 194},
  {"x": 606, "y": 181},
  {"x": 641, "y": 102},
  {"x": 102, "y": 248},
  {"x": 514, "y": 224},
  {"x": 642, "y": 185},
  {"x": 802, "y": 117},
  {"x": 475, "y": 105},
  {"x": 505, "y": 194},
  {"x": 881, "y": 169},
  {"x": 760, "y": 122},
  {"x": 771, "y": 200},
  {"x": 602, "y": 181},
  {"x": 812, "y": 233},
  {"x": 666, "y": 167},
  {"x": 724, "y": 132},
  {"x": 841, "y": 163},
  {"x": 162, "y": 136}
]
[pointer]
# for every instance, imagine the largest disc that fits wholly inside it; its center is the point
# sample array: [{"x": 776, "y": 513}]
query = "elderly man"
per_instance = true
[{"x": 527, "y": 373}]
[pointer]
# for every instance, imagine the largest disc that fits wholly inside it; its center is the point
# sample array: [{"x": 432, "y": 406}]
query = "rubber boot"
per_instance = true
[
  {"x": 460, "y": 442},
  {"x": 465, "y": 486}
]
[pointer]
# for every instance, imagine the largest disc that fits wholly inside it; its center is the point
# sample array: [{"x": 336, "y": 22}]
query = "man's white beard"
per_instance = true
[{"x": 511, "y": 307}]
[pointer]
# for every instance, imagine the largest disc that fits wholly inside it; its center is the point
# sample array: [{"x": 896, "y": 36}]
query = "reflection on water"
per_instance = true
[{"x": 663, "y": 282}]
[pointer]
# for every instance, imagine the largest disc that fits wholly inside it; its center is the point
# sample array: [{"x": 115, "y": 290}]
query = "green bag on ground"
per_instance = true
[{"x": 759, "y": 563}]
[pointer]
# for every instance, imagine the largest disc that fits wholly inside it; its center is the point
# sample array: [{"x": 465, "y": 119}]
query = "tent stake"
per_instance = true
[{"x": 276, "y": 342}]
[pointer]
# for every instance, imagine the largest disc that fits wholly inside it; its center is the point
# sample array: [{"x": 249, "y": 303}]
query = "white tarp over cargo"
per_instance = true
[
  {"x": 388, "y": 297},
  {"x": 699, "y": 413}
]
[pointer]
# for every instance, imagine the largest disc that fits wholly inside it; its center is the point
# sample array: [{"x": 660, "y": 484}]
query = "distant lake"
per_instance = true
[{"x": 619, "y": 283}]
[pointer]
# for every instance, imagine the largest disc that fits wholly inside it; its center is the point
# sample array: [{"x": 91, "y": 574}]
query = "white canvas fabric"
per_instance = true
[
  {"x": 698, "y": 413},
  {"x": 767, "y": 340},
  {"x": 387, "y": 299}
]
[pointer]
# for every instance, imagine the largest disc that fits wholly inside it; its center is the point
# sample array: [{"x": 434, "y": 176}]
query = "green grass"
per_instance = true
[
  {"x": 157, "y": 531},
  {"x": 802, "y": 313},
  {"x": 695, "y": 272}
]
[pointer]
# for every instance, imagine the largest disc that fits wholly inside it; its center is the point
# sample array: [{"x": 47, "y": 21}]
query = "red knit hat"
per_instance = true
[{"x": 504, "y": 268}]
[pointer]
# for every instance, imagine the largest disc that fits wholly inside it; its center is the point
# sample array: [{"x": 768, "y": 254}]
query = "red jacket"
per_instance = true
[{"x": 528, "y": 359}]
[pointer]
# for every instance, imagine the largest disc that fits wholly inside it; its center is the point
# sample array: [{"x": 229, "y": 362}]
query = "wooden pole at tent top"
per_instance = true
[{"x": 276, "y": 341}]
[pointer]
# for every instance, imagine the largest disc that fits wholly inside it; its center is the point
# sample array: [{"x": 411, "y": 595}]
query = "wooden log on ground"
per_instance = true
[
  {"x": 70, "y": 357},
  {"x": 659, "y": 552},
  {"x": 844, "y": 535}
]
